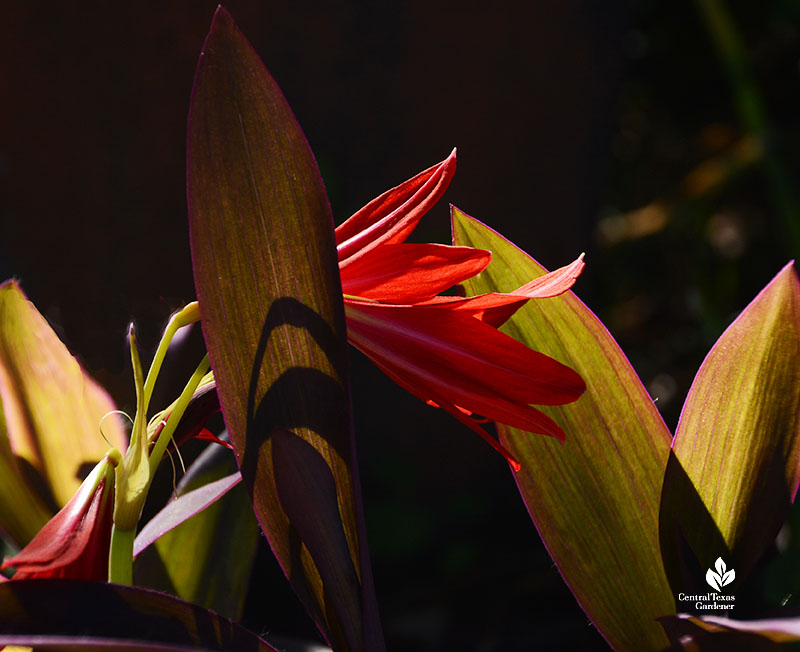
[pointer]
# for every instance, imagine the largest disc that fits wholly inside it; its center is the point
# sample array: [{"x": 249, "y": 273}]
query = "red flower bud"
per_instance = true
[{"x": 74, "y": 543}]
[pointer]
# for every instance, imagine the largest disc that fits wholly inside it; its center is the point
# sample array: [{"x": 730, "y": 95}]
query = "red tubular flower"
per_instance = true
[
  {"x": 73, "y": 544},
  {"x": 445, "y": 350}
]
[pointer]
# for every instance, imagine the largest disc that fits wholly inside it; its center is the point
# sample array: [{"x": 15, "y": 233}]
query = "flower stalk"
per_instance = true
[{"x": 135, "y": 475}]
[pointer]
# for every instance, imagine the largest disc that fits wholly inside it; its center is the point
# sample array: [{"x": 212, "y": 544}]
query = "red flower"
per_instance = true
[
  {"x": 73, "y": 544},
  {"x": 445, "y": 350}
]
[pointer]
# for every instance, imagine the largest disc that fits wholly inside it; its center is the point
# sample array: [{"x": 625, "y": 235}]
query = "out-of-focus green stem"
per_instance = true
[
  {"x": 752, "y": 113},
  {"x": 120, "y": 558}
]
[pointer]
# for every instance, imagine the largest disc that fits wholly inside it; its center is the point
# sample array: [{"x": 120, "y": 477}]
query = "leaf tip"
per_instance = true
[{"x": 222, "y": 19}]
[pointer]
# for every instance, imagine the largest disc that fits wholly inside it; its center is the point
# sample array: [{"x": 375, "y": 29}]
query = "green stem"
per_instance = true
[
  {"x": 120, "y": 559},
  {"x": 138, "y": 431},
  {"x": 189, "y": 315},
  {"x": 730, "y": 48},
  {"x": 176, "y": 415}
]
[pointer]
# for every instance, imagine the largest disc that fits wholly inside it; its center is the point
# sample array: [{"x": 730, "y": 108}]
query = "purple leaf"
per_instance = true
[
  {"x": 267, "y": 281},
  {"x": 206, "y": 560},
  {"x": 61, "y": 614},
  {"x": 183, "y": 508},
  {"x": 714, "y": 634}
]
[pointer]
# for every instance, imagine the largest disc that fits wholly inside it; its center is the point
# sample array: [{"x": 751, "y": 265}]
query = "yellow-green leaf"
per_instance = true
[
  {"x": 52, "y": 408},
  {"x": 736, "y": 463},
  {"x": 594, "y": 498}
]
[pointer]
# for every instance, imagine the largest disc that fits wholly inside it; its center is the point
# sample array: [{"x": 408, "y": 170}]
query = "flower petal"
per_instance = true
[
  {"x": 459, "y": 362},
  {"x": 392, "y": 216},
  {"x": 202, "y": 406},
  {"x": 409, "y": 273},
  {"x": 495, "y": 308},
  {"x": 462, "y": 352},
  {"x": 74, "y": 543}
]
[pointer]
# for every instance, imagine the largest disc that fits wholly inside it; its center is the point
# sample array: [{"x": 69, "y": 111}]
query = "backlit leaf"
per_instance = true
[
  {"x": 268, "y": 286},
  {"x": 735, "y": 466},
  {"x": 594, "y": 498},
  {"x": 52, "y": 411}
]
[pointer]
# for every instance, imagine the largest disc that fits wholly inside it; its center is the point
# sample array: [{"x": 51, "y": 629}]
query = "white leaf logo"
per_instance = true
[{"x": 722, "y": 576}]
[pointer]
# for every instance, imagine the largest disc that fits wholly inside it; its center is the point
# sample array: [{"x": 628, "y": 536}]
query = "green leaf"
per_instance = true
[
  {"x": 52, "y": 411},
  {"x": 268, "y": 286},
  {"x": 70, "y": 615},
  {"x": 736, "y": 464},
  {"x": 594, "y": 498},
  {"x": 23, "y": 511},
  {"x": 206, "y": 559}
]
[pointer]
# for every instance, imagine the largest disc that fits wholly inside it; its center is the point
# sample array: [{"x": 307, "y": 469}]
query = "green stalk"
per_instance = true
[
  {"x": 731, "y": 51},
  {"x": 135, "y": 473},
  {"x": 176, "y": 415},
  {"x": 184, "y": 317},
  {"x": 120, "y": 559}
]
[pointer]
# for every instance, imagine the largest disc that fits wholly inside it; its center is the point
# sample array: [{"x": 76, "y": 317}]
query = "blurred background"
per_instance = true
[{"x": 660, "y": 138}]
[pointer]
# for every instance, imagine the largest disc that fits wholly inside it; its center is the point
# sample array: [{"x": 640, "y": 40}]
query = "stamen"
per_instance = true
[
  {"x": 180, "y": 459},
  {"x": 177, "y": 413},
  {"x": 353, "y": 297},
  {"x": 174, "y": 474},
  {"x": 108, "y": 414}
]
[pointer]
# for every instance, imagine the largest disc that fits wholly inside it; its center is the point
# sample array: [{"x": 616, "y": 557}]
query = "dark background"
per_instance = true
[{"x": 611, "y": 128}]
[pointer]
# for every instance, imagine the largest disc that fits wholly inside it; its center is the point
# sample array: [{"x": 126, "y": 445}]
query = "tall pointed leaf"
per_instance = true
[
  {"x": 71, "y": 615},
  {"x": 594, "y": 498},
  {"x": 52, "y": 411},
  {"x": 268, "y": 285},
  {"x": 736, "y": 458}
]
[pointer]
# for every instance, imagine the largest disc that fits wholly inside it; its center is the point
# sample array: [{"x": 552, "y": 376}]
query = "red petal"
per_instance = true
[
  {"x": 203, "y": 404},
  {"x": 470, "y": 364},
  {"x": 392, "y": 216},
  {"x": 207, "y": 435},
  {"x": 473, "y": 425},
  {"x": 409, "y": 273},
  {"x": 554, "y": 283},
  {"x": 496, "y": 308},
  {"x": 527, "y": 418},
  {"x": 73, "y": 544}
]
